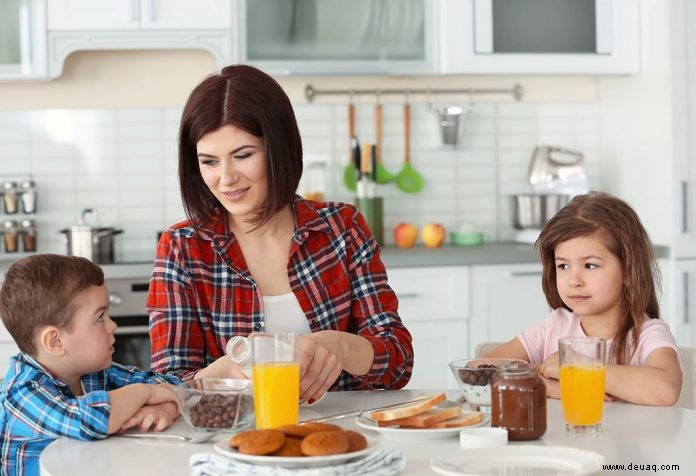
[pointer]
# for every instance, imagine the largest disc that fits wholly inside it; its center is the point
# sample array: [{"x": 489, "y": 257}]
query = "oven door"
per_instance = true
[{"x": 132, "y": 345}]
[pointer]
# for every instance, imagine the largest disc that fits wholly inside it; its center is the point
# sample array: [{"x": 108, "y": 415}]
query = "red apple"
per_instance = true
[
  {"x": 405, "y": 235},
  {"x": 433, "y": 235}
]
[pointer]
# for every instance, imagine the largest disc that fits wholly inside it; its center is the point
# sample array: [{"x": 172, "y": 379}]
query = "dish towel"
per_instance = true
[{"x": 380, "y": 463}]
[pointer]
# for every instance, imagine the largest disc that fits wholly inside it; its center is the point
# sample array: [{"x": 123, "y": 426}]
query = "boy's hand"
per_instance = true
[
  {"x": 160, "y": 393},
  {"x": 152, "y": 417}
]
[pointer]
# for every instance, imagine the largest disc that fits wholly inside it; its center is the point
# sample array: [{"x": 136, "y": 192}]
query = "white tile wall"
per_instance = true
[{"x": 124, "y": 163}]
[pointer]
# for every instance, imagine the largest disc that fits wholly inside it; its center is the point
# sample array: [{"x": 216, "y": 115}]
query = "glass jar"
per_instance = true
[
  {"x": 518, "y": 401},
  {"x": 10, "y": 231}
]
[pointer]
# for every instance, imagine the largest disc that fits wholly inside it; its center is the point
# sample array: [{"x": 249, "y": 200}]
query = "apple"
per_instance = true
[
  {"x": 405, "y": 235},
  {"x": 433, "y": 235}
]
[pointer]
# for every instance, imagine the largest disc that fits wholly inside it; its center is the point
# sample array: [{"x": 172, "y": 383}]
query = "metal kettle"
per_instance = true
[{"x": 92, "y": 242}]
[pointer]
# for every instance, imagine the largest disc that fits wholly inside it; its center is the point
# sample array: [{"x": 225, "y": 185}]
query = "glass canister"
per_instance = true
[
  {"x": 518, "y": 401},
  {"x": 10, "y": 231},
  {"x": 28, "y": 228}
]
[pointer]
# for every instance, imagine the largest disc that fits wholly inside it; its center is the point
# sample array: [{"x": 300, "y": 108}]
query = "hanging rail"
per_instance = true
[{"x": 311, "y": 92}]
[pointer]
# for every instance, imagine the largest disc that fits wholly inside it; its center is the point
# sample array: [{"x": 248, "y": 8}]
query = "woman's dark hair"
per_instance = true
[
  {"x": 619, "y": 227},
  {"x": 249, "y": 99}
]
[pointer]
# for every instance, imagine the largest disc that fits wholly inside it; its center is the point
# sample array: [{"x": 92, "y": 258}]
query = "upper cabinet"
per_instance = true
[
  {"x": 338, "y": 37},
  {"x": 138, "y": 24},
  {"x": 539, "y": 36},
  {"x": 22, "y": 39}
]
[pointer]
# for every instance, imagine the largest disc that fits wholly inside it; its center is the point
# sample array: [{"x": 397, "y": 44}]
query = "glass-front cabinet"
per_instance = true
[
  {"x": 22, "y": 39},
  {"x": 338, "y": 36}
]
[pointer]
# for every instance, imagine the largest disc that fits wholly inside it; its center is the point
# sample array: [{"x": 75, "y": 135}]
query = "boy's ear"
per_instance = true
[{"x": 49, "y": 341}]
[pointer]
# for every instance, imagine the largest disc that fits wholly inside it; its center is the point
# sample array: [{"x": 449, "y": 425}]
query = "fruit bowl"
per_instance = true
[
  {"x": 474, "y": 377},
  {"x": 216, "y": 403}
]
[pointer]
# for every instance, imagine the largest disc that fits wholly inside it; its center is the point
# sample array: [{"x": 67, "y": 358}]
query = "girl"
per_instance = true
[{"x": 598, "y": 276}]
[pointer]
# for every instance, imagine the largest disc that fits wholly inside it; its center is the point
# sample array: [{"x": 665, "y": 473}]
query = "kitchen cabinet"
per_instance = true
[
  {"x": 75, "y": 25},
  {"x": 539, "y": 36},
  {"x": 338, "y": 37},
  {"x": 433, "y": 305},
  {"x": 22, "y": 39},
  {"x": 683, "y": 318},
  {"x": 505, "y": 299}
]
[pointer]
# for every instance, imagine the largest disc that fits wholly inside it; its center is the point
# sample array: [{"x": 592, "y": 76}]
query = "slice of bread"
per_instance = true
[
  {"x": 465, "y": 419},
  {"x": 425, "y": 419},
  {"x": 407, "y": 410}
]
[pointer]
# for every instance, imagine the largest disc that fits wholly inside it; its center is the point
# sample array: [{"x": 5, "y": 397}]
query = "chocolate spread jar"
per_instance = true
[{"x": 518, "y": 401}]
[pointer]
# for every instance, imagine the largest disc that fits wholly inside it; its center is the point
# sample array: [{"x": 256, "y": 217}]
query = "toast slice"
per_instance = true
[
  {"x": 407, "y": 410},
  {"x": 465, "y": 419},
  {"x": 425, "y": 419}
]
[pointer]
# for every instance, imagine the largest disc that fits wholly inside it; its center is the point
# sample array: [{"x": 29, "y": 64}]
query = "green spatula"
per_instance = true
[
  {"x": 350, "y": 172},
  {"x": 382, "y": 175},
  {"x": 408, "y": 179}
]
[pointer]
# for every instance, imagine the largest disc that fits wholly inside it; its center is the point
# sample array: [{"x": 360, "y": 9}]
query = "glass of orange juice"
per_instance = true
[
  {"x": 582, "y": 379},
  {"x": 276, "y": 378}
]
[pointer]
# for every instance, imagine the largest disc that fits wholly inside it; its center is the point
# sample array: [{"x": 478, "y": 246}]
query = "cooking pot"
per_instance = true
[
  {"x": 92, "y": 242},
  {"x": 532, "y": 211}
]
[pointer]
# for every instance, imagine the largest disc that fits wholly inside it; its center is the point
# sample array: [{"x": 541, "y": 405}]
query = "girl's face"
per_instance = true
[
  {"x": 589, "y": 277},
  {"x": 233, "y": 166}
]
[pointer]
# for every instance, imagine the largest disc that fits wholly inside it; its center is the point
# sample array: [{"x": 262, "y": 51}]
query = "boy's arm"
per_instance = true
[
  {"x": 126, "y": 401},
  {"x": 153, "y": 417}
]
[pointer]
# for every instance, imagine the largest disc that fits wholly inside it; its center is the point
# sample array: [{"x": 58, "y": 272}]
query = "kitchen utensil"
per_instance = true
[
  {"x": 382, "y": 175},
  {"x": 91, "y": 242},
  {"x": 557, "y": 169},
  {"x": 532, "y": 211},
  {"x": 474, "y": 377},
  {"x": 408, "y": 179},
  {"x": 199, "y": 437},
  {"x": 209, "y": 404},
  {"x": 451, "y": 120},
  {"x": 350, "y": 172}
]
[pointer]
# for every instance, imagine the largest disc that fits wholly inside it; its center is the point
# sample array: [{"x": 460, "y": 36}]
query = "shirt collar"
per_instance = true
[{"x": 31, "y": 361}]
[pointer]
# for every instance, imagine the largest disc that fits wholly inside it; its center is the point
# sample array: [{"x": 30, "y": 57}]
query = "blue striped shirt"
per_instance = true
[{"x": 36, "y": 408}]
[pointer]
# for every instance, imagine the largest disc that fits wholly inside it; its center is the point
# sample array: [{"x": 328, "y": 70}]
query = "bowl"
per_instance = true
[
  {"x": 474, "y": 377},
  {"x": 472, "y": 238},
  {"x": 533, "y": 210},
  {"x": 216, "y": 403}
]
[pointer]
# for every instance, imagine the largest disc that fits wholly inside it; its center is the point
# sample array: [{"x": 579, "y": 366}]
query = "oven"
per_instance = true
[{"x": 127, "y": 298}]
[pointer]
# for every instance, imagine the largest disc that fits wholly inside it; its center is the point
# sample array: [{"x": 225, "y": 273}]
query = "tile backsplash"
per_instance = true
[{"x": 123, "y": 162}]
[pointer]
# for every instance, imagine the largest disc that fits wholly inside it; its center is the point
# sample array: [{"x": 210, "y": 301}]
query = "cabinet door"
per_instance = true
[
  {"x": 185, "y": 14},
  {"x": 431, "y": 293},
  {"x": 540, "y": 36},
  {"x": 87, "y": 15},
  {"x": 684, "y": 318},
  {"x": 505, "y": 299},
  {"x": 22, "y": 39}
]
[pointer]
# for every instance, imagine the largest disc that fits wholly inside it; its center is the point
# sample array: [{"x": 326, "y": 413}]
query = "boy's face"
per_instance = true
[{"x": 90, "y": 342}]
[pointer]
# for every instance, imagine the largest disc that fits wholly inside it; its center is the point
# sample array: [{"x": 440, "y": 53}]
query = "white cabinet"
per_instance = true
[
  {"x": 683, "y": 318},
  {"x": 505, "y": 299},
  {"x": 539, "y": 36},
  {"x": 22, "y": 39},
  {"x": 75, "y": 25},
  {"x": 338, "y": 37},
  {"x": 434, "y": 306}
]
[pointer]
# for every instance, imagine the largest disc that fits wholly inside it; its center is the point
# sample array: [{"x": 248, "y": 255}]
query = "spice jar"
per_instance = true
[
  {"x": 10, "y": 232},
  {"x": 28, "y": 235},
  {"x": 9, "y": 190},
  {"x": 518, "y": 401}
]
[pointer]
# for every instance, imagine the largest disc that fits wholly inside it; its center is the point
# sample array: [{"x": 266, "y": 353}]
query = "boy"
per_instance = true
[{"x": 63, "y": 382}]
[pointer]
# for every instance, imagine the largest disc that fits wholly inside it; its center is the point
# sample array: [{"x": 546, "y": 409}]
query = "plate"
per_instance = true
[
  {"x": 520, "y": 460},
  {"x": 223, "y": 448},
  {"x": 397, "y": 433}
]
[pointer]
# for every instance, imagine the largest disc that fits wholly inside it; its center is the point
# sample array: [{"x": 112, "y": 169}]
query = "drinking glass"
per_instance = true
[
  {"x": 582, "y": 379},
  {"x": 276, "y": 378}
]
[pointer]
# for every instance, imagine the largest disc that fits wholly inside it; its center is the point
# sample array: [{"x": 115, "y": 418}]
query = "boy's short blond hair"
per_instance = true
[{"x": 39, "y": 291}]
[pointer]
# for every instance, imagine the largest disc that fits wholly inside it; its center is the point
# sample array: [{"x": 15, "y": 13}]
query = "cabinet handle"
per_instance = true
[
  {"x": 525, "y": 273},
  {"x": 407, "y": 295},
  {"x": 685, "y": 282},
  {"x": 685, "y": 206}
]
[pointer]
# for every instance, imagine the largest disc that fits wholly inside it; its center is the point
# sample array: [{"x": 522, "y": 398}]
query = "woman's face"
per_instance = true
[{"x": 233, "y": 166}]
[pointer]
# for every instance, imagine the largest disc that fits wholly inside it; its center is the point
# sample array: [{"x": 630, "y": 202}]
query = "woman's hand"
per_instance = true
[
  {"x": 321, "y": 362},
  {"x": 224, "y": 367},
  {"x": 152, "y": 417},
  {"x": 550, "y": 367}
]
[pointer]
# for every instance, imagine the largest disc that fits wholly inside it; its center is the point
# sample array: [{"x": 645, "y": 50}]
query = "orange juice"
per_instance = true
[
  {"x": 276, "y": 393},
  {"x": 582, "y": 394}
]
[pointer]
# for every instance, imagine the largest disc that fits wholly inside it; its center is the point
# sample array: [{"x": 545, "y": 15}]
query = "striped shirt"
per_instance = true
[
  {"x": 202, "y": 293},
  {"x": 36, "y": 408}
]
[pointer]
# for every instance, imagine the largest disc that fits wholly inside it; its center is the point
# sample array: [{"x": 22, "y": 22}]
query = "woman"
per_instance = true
[{"x": 255, "y": 257}]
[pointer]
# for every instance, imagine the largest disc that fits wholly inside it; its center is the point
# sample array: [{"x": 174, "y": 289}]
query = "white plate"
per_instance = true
[
  {"x": 223, "y": 448},
  {"x": 397, "y": 433},
  {"x": 520, "y": 460}
]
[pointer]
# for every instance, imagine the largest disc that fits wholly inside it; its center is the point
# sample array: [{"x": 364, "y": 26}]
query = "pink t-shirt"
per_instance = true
[{"x": 541, "y": 340}]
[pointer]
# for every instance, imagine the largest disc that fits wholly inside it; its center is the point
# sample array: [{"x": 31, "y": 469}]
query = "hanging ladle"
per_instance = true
[
  {"x": 408, "y": 179},
  {"x": 382, "y": 175}
]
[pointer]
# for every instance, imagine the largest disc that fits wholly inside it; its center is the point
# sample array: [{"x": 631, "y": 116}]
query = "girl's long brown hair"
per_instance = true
[{"x": 617, "y": 224}]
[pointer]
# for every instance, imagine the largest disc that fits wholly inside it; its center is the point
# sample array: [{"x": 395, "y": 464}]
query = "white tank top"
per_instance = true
[{"x": 284, "y": 314}]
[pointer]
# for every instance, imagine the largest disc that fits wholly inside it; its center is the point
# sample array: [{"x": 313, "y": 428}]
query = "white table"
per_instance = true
[{"x": 630, "y": 434}]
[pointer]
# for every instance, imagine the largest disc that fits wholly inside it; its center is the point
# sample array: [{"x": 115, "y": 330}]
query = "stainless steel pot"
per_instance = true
[
  {"x": 92, "y": 242},
  {"x": 532, "y": 211}
]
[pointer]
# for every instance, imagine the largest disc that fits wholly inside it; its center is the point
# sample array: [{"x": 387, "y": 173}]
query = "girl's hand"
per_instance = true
[
  {"x": 553, "y": 389},
  {"x": 152, "y": 417},
  {"x": 550, "y": 368},
  {"x": 321, "y": 362}
]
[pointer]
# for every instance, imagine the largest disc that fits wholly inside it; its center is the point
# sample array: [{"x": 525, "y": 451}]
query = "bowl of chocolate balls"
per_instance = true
[
  {"x": 474, "y": 377},
  {"x": 216, "y": 404}
]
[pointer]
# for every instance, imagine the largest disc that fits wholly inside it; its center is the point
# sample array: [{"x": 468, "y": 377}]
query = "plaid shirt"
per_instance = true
[
  {"x": 36, "y": 408},
  {"x": 202, "y": 293}
]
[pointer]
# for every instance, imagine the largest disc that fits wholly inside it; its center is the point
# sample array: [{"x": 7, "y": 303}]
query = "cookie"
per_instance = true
[
  {"x": 356, "y": 441},
  {"x": 260, "y": 442},
  {"x": 296, "y": 431},
  {"x": 321, "y": 427},
  {"x": 291, "y": 447},
  {"x": 236, "y": 440},
  {"x": 323, "y": 443}
]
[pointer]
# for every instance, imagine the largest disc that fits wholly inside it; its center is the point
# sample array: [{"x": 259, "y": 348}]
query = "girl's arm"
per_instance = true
[
  {"x": 658, "y": 382},
  {"x": 510, "y": 350}
]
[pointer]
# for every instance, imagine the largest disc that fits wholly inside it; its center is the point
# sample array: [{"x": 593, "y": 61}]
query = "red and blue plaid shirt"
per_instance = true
[
  {"x": 202, "y": 293},
  {"x": 36, "y": 408}
]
